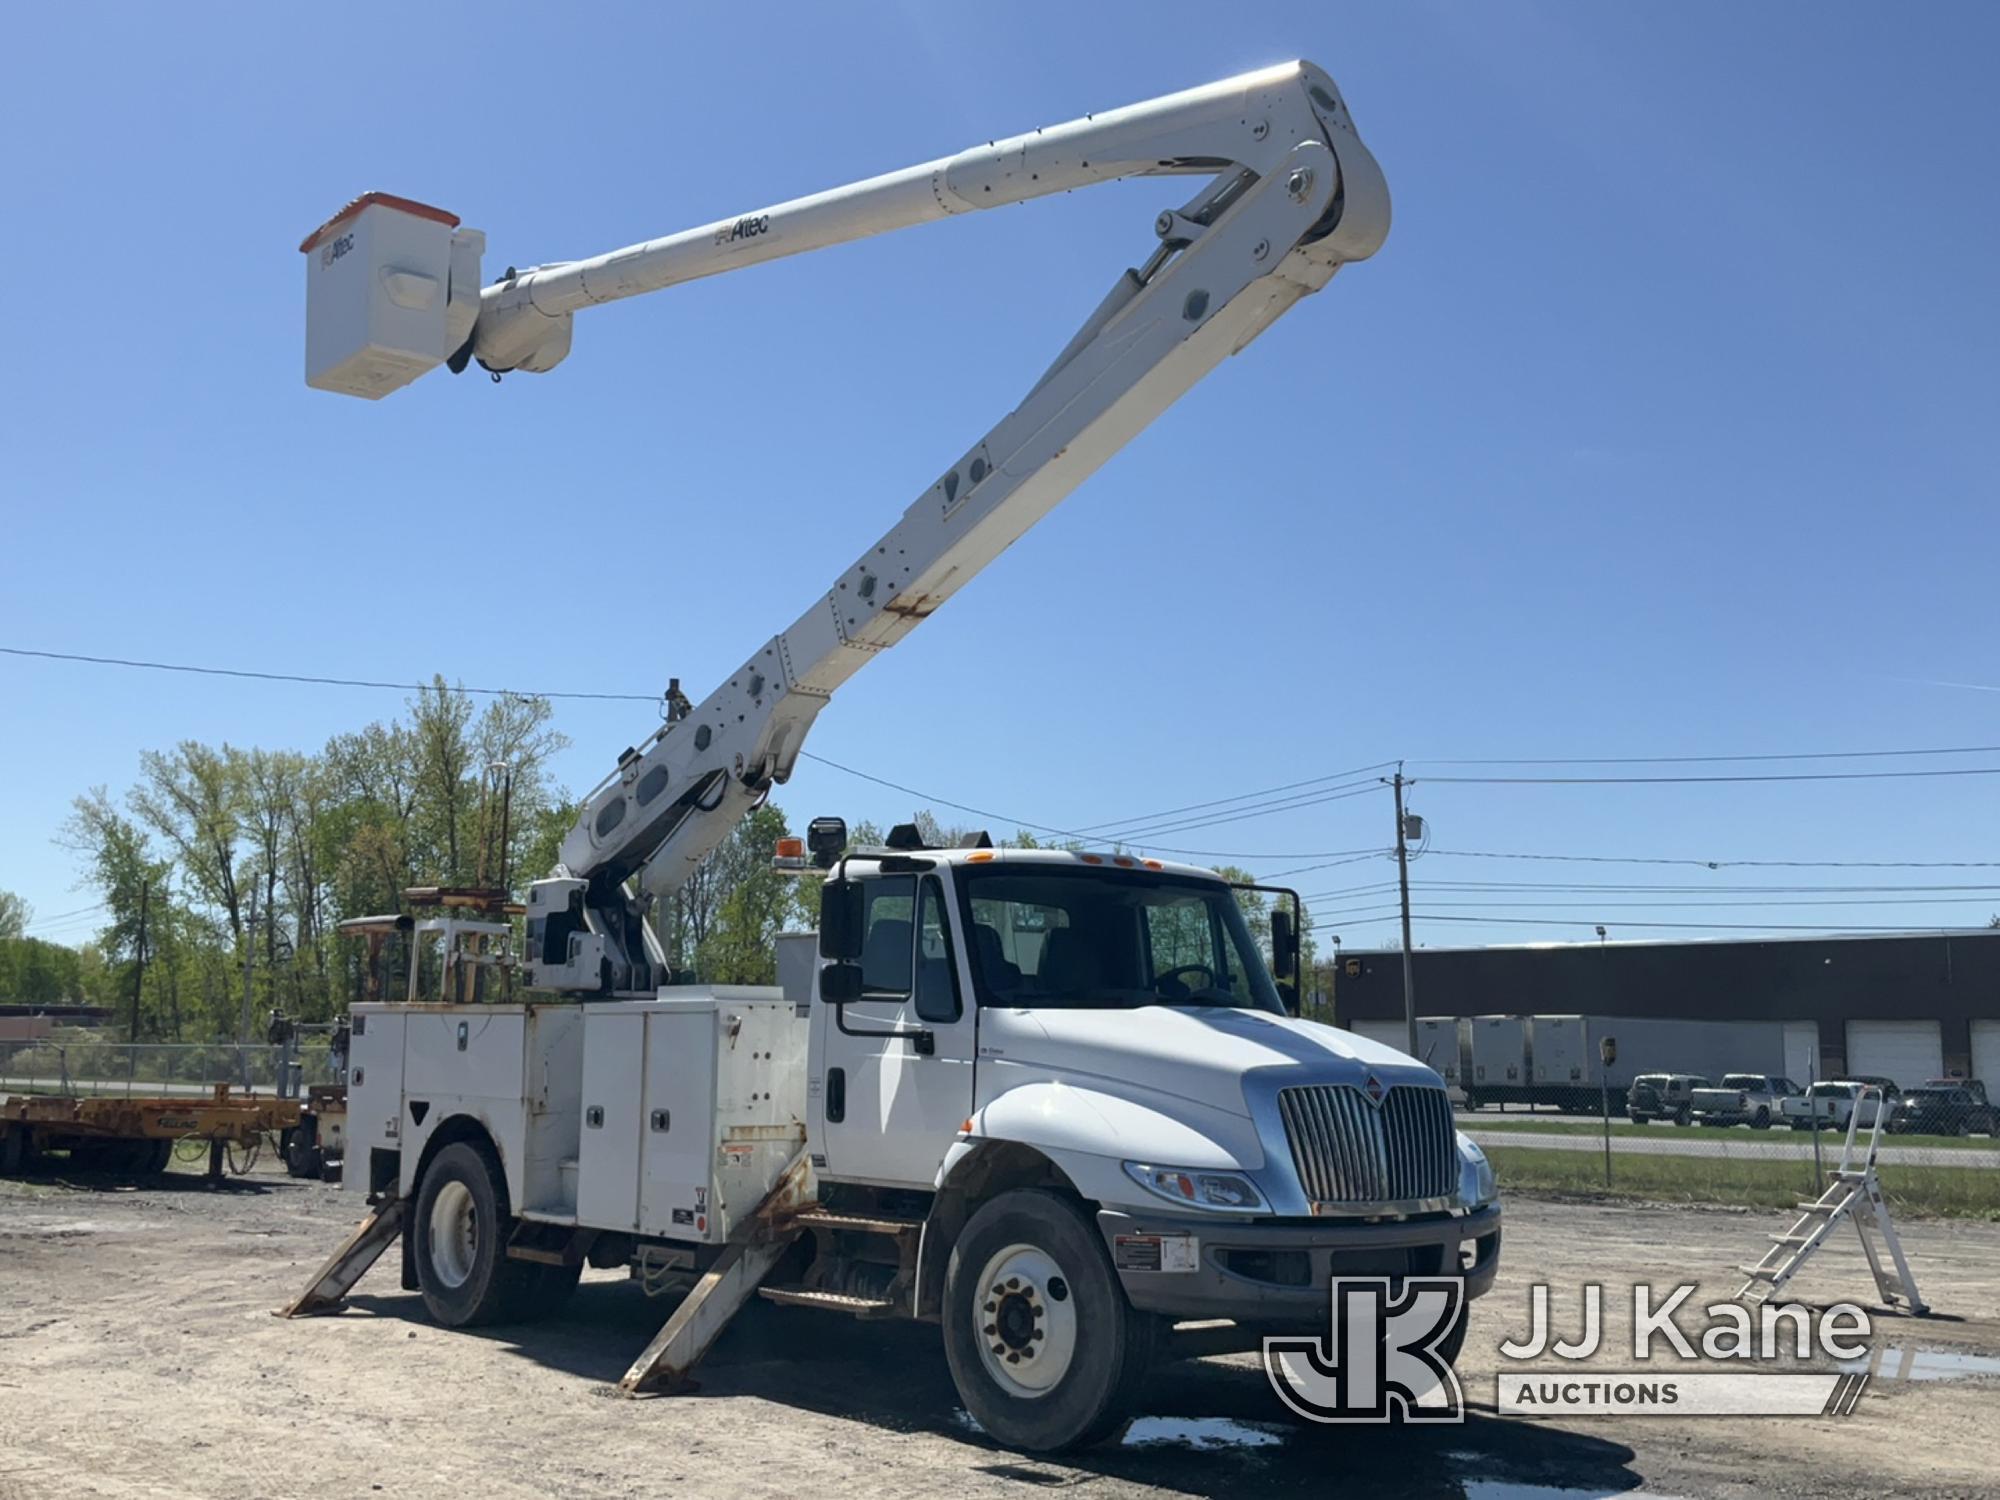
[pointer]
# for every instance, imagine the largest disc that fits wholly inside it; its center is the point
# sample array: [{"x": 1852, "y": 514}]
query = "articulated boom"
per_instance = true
[{"x": 1290, "y": 195}]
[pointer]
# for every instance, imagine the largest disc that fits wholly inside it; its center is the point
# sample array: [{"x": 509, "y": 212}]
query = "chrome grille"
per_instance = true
[{"x": 1348, "y": 1150}]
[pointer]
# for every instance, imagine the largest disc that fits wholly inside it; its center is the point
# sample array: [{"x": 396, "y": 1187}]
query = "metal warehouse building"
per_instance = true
[{"x": 1922, "y": 1005}]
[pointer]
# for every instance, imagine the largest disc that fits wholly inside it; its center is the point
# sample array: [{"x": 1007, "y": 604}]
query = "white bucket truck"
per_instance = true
[{"x": 1053, "y": 1102}]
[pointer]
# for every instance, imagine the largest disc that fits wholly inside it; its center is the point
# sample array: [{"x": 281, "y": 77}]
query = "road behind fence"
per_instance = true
[{"x": 1775, "y": 1167}]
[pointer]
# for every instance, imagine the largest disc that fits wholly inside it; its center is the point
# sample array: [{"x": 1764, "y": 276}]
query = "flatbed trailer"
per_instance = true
[{"x": 135, "y": 1135}]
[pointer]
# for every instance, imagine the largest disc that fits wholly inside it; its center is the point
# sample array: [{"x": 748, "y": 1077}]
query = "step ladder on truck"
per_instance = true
[
  {"x": 1056, "y": 1103},
  {"x": 1853, "y": 1195}
]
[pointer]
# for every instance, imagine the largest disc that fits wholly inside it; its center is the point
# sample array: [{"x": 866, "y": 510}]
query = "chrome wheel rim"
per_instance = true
[
  {"x": 1024, "y": 1318},
  {"x": 454, "y": 1234}
]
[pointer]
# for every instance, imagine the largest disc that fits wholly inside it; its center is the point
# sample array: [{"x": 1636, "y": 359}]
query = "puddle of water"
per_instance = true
[
  {"x": 1205, "y": 1433},
  {"x": 1500, "y": 1489},
  {"x": 1924, "y": 1364}
]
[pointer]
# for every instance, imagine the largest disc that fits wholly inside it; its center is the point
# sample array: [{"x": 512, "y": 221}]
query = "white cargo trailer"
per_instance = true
[
  {"x": 1567, "y": 1065},
  {"x": 1497, "y": 1053},
  {"x": 1440, "y": 1044}
]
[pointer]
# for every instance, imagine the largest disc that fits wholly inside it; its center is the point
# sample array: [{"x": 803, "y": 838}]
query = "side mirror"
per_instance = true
[
  {"x": 1284, "y": 945},
  {"x": 825, "y": 838},
  {"x": 840, "y": 920},
  {"x": 840, "y": 983}
]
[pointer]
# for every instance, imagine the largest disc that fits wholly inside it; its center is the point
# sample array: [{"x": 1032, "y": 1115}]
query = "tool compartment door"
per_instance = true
[
  {"x": 677, "y": 1125},
  {"x": 607, "y": 1159}
]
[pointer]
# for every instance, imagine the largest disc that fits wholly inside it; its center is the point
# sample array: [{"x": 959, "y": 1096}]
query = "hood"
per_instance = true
[{"x": 1199, "y": 1053}]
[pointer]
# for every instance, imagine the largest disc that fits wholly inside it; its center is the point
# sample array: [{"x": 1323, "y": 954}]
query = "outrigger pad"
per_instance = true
[{"x": 347, "y": 1265}]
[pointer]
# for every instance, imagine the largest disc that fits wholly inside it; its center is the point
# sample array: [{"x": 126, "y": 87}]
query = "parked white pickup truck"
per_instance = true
[
  {"x": 1832, "y": 1105},
  {"x": 1753, "y": 1099},
  {"x": 1052, "y": 1102}
]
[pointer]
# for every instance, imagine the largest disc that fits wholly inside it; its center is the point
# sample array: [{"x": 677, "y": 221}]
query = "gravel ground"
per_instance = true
[{"x": 138, "y": 1357}]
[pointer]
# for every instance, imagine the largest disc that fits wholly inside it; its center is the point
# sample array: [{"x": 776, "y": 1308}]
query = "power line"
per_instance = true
[
  {"x": 1346, "y": 857},
  {"x": 1548, "y": 887},
  {"x": 57, "y": 916},
  {"x": 1702, "y": 780},
  {"x": 1675, "y": 760},
  {"x": 1240, "y": 797},
  {"x": 357, "y": 682},
  {"x": 1333, "y": 794},
  {"x": 1726, "y": 864},
  {"x": 1003, "y": 818},
  {"x": 1700, "y": 926},
  {"x": 1728, "y": 901}
]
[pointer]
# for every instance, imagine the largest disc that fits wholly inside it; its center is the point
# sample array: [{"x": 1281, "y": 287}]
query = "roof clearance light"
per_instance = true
[
  {"x": 980, "y": 858},
  {"x": 1093, "y": 859}
]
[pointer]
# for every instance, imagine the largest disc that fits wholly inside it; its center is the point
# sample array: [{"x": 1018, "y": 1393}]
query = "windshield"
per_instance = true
[{"x": 1077, "y": 936}]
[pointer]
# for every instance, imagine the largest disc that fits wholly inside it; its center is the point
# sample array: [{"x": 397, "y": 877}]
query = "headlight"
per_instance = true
[
  {"x": 1191, "y": 1187},
  {"x": 1475, "y": 1173}
]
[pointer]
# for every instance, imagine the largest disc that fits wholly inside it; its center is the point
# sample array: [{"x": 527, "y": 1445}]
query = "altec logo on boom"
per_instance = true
[
  {"x": 745, "y": 228},
  {"x": 1383, "y": 1358}
]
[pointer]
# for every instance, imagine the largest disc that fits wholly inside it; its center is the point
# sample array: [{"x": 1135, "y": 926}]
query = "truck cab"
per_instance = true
[{"x": 1101, "y": 1035}]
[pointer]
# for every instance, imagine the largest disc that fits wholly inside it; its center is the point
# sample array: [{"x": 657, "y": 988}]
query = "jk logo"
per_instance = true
[{"x": 1383, "y": 1357}]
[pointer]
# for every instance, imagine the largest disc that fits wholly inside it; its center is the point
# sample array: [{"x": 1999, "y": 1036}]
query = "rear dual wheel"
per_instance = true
[{"x": 461, "y": 1229}]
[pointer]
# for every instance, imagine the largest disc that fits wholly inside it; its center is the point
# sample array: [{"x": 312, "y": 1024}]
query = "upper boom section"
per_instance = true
[{"x": 393, "y": 291}]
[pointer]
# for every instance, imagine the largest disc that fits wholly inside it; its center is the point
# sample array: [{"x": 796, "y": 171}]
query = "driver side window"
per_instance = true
[
  {"x": 937, "y": 973},
  {"x": 887, "y": 936}
]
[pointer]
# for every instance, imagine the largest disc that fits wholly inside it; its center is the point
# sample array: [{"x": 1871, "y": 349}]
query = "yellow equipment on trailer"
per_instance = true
[{"x": 136, "y": 1136}]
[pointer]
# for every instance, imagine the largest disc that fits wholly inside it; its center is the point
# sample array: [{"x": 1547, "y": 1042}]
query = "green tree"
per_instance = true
[
  {"x": 724, "y": 923},
  {"x": 15, "y": 914}
]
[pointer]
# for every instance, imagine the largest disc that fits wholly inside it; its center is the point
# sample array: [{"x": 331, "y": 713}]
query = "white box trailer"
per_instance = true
[
  {"x": 1440, "y": 1042},
  {"x": 1566, "y": 1061},
  {"x": 1496, "y": 1051}
]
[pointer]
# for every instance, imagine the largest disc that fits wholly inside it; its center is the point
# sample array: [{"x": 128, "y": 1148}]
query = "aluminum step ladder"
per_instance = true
[{"x": 1853, "y": 1193}]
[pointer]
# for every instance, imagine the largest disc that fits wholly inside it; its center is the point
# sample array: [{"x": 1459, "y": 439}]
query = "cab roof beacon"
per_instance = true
[{"x": 1284, "y": 194}]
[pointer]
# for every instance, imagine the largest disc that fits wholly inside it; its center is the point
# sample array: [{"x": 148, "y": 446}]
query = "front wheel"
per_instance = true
[{"x": 1044, "y": 1349}]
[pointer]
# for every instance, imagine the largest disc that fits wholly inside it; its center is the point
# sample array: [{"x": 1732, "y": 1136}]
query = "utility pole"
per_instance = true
[
  {"x": 249, "y": 954},
  {"x": 139, "y": 978},
  {"x": 1403, "y": 882}
]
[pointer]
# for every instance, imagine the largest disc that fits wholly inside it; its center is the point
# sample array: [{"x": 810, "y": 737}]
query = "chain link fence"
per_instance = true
[
  {"x": 1939, "y": 1150},
  {"x": 89, "y": 1067}
]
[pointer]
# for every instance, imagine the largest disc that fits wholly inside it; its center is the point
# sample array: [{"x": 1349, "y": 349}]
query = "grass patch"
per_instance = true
[{"x": 1951, "y": 1192}]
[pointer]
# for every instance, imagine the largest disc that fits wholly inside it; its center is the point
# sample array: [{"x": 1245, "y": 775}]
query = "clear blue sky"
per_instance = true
[{"x": 1664, "y": 423}]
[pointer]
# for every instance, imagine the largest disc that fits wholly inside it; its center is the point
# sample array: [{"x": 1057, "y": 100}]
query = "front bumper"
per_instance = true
[{"x": 1275, "y": 1275}]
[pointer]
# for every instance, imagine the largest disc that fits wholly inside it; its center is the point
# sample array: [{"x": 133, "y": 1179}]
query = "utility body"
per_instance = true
[{"x": 1054, "y": 1102}]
